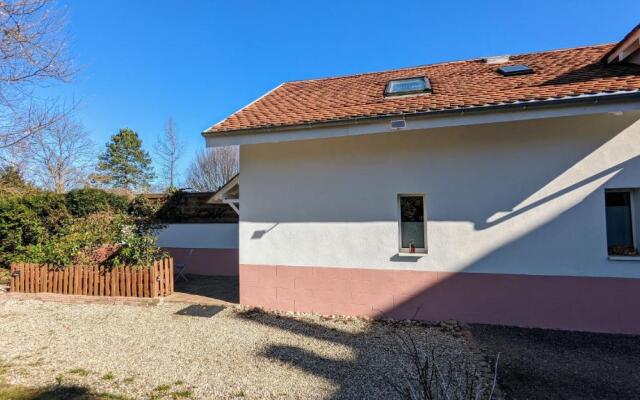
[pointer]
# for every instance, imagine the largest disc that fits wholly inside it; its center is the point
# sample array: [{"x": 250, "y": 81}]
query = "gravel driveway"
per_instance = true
[{"x": 180, "y": 351}]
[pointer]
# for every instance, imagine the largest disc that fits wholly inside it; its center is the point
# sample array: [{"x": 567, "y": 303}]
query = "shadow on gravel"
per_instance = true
[
  {"x": 552, "y": 364},
  {"x": 361, "y": 377},
  {"x": 50, "y": 393},
  {"x": 378, "y": 366},
  {"x": 197, "y": 310},
  {"x": 222, "y": 288}
]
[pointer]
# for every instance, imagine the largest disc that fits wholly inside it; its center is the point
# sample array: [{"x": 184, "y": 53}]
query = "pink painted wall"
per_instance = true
[
  {"x": 557, "y": 302},
  {"x": 206, "y": 261}
]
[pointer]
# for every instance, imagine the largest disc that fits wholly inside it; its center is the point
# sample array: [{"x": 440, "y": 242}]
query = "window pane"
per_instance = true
[
  {"x": 412, "y": 221},
  {"x": 407, "y": 85},
  {"x": 619, "y": 223}
]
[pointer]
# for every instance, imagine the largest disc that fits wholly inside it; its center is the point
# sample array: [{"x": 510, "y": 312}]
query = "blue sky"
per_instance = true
[{"x": 200, "y": 60}]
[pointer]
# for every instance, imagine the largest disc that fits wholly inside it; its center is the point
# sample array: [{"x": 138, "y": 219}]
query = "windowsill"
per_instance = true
[
  {"x": 417, "y": 253},
  {"x": 624, "y": 258}
]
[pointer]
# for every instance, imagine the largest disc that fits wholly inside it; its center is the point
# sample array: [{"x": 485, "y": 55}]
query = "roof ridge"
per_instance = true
[{"x": 443, "y": 63}]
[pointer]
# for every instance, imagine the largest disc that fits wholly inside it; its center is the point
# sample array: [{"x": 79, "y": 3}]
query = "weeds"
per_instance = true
[
  {"x": 108, "y": 377},
  {"x": 79, "y": 371},
  {"x": 163, "y": 388},
  {"x": 426, "y": 374},
  {"x": 183, "y": 394}
]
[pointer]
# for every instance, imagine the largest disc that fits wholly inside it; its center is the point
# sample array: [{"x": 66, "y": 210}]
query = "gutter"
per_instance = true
[{"x": 589, "y": 99}]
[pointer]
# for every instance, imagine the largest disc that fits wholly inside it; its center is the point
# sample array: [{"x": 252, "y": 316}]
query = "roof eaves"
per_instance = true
[
  {"x": 210, "y": 129},
  {"x": 219, "y": 194},
  {"x": 605, "y": 58}
]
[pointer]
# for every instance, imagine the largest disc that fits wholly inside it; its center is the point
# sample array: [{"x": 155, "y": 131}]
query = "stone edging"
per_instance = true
[{"x": 80, "y": 299}]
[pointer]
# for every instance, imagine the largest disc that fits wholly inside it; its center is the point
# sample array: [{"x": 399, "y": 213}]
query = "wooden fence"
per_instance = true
[{"x": 153, "y": 281}]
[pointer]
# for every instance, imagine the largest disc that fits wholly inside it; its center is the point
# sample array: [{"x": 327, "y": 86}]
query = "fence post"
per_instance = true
[
  {"x": 22, "y": 277},
  {"x": 171, "y": 275},
  {"x": 12, "y": 278},
  {"x": 154, "y": 276}
]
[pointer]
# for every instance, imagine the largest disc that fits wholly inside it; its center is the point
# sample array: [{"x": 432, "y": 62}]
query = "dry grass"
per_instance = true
[{"x": 5, "y": 276}]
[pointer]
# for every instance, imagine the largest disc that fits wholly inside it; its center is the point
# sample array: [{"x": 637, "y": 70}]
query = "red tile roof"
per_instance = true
[{"x": 461, "y": 84}]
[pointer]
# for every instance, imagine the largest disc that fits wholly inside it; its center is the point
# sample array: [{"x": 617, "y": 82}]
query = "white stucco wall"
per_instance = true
[
  {"x": 199, "y": 236},
  {"x": 518, "y": 197}
]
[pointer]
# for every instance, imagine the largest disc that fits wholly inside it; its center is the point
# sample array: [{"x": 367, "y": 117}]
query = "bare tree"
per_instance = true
[
  {"x": 62, "y": 155},
  {"x": 212, "y": 168},
  {"x": 32, "y": 54},
  {"x": 169, "y": 149}
]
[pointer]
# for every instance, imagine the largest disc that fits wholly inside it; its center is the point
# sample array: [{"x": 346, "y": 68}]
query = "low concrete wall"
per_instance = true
[
  {"x": 205, "y": 249},
  {"x": 555, "y": 302}
]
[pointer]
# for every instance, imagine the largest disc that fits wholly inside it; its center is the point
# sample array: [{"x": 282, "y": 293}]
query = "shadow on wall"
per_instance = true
[
  {"x": 526, "y": 291},
  {"x": 503, "y": 171},
  {"x": 541, "y": 300},
  {"x": 260, "y": 233}
]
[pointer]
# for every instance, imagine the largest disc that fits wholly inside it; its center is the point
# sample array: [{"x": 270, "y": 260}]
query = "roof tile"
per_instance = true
[{"x": 461, "y": 84}]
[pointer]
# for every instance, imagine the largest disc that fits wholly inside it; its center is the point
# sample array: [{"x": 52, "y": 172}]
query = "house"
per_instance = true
[
  {"x": 502, "y": 190},
  {"x": 198, "y": 231}
]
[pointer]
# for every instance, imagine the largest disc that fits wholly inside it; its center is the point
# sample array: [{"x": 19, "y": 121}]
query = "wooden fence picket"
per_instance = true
[{"x": 153, "y": 281}]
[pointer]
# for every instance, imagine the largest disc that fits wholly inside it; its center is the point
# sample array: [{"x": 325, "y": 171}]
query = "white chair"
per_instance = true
[{"x": 180, "y": 269}]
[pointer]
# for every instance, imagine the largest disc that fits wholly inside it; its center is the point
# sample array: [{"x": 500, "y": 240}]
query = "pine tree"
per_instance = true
[{"x": 124, "y": 164}]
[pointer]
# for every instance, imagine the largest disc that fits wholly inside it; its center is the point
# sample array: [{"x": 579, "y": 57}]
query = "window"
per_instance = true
[
  {"x": 519, "y": 69},
  {"x": 412, "y": 223},
  {"x": 407, "y": 86},
  {"x": 621, "y": 222}
]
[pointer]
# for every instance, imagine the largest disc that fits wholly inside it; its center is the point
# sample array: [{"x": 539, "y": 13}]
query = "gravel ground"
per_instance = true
[
  {"x": 180, "y": 351},
  {"x": 551, "y": 364}
]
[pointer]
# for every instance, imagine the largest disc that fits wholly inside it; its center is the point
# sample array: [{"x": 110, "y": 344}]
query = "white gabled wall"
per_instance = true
[{"x": 519, "y": 197}]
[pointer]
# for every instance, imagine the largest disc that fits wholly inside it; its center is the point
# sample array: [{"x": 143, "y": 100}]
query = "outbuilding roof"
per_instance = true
[{"x": 468, "y": 84}]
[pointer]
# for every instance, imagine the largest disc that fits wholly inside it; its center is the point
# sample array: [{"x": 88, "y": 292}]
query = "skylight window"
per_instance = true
[
  {"x": 407, "y": 86},
  {"x": 518, "y": 69}
]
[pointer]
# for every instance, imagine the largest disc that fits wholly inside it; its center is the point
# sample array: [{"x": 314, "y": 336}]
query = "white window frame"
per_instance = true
[
  {"x": 633, "y": 193},
  {"x": 405, "y": 250}
]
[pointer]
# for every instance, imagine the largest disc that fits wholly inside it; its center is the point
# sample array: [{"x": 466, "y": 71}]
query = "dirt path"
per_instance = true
[{"x": 548, "y": 364}]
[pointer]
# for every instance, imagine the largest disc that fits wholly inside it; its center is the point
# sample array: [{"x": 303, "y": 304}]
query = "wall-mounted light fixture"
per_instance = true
[{"x": 398, "y": 124}]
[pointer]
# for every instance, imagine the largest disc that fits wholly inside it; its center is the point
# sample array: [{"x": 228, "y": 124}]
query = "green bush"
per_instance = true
[
  {"x": 138, "y": 250},
  {"x": 20, "y": 225},
  {"x": 82, "y": 202},
  {"x": 86, "y": 226},
  {"x": 51, "y": 209}
]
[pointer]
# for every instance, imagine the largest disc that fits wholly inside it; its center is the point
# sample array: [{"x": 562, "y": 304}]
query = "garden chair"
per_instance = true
[
  {"x": 179, "y": 269},
  {"x": 178, "y": 272}
]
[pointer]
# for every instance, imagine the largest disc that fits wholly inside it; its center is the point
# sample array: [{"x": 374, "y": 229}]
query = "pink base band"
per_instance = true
[
  {"x": 557, "y": 302},
  {"x": 206, "y": 261}
]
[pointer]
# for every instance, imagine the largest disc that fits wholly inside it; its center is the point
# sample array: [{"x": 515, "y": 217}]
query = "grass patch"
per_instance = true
[
  {"x": 163, "y": 388},
  {"x": 182, "y": 394},
  {"x": 111, "y": 396},
  {"x": 79, "y": 371},
  {"x": 108, "y": 377},
  {"x": 178, "y": 383},
  {"x": 59, "y": 380}
]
